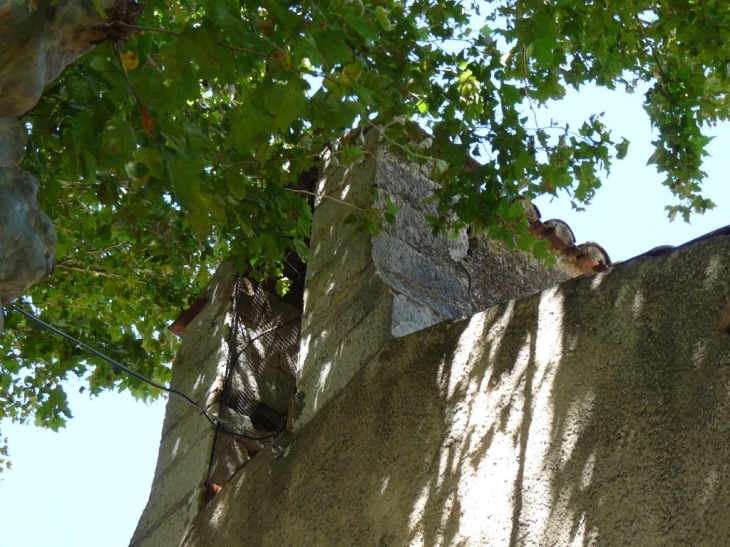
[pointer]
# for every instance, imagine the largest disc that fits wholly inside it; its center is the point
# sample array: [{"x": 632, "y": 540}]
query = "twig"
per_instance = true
[
  {"x": 105, "y": 249},
  {"x": 94, "y": 271},
  {"x": 148, "y": 29},
  {"x": 324, "y": 196},
  {"x": 267, "y": 56},
  {"x": 247, "y": 51},
  {"x": 118, "y": 51}
]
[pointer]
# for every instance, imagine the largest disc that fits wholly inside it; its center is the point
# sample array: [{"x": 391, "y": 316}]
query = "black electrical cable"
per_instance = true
[{"x": 116, "y": 364}]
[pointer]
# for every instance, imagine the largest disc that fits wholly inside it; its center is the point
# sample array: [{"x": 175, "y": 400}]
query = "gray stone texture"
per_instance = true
[
  {"x": 596, "y": 412},
  {"x": 497, "y": 273},
  {"x": 362, "y": 290}
]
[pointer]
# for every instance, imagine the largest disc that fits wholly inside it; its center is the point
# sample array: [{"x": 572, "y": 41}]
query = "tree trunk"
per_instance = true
[{"x": 37, "y": 41}]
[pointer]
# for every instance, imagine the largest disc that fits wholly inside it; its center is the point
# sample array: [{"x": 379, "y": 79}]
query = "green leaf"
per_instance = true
[
  {"x": 351, "y": 155},
  {"x": 332, "y": 45},
  {"x": 117, "y": 141},
  {"x": 99, "y": 7},
  {"x": 382, "y": 15},
  {"x": 283, "y": 285},
  {"x": 200, "y": 223},
  {"x": 525, "y": 242},
  {"x": 250, "y": 125},
  {"x": 622, "y": 149},
  {"x": 186, "y": 174},
  {"x": 287, "y": 102},
  {"x": 152, "y": 159}
]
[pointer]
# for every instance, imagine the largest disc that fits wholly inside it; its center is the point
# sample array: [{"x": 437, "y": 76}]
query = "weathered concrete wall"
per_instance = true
[
  {"x": 594, "y": 413},
  {"x": 179, "y": 487}
]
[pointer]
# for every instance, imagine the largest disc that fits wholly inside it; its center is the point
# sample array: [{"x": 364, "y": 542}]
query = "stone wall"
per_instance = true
[{"x": 596, "y": 412}]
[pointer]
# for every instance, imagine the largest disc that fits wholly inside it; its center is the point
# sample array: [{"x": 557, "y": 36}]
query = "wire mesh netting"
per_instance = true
[{"x": 260, "y": 377}]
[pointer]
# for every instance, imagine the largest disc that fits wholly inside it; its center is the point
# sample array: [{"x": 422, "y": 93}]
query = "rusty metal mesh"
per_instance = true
[{"x": 260, "y": 377}]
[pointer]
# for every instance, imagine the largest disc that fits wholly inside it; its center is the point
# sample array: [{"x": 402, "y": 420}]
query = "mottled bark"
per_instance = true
[
  {"x": 27, "y": 238},
  {"x": 37, "y": 41}
]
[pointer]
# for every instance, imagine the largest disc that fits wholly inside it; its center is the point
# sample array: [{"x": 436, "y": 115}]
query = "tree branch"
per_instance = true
[
  {"x": 266, "y": 56},
  {"x": 324, "y": 196},
  {"x": 94, "y": 271}
]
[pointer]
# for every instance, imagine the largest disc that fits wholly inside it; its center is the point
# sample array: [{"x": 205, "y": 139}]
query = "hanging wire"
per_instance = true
[{"x": 214, "y": 420}]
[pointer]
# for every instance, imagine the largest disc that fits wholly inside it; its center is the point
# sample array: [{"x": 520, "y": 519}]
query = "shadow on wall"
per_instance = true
[{"x": 594, "y": 413}]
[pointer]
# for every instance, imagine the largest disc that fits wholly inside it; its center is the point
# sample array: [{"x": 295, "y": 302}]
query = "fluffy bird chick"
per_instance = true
[
  {"x": 593, "y": 256},
  {"x": 531, "y": 210},
  {"x": 558, "y": 234}
]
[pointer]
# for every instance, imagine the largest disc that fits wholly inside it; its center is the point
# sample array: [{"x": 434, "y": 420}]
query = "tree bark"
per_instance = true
[{"x": 37, "y": 41}]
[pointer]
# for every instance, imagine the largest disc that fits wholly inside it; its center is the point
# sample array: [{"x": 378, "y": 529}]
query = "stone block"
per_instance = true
[
  {"x": 170, "y": 532},
  {"x": 441, "y": 276},
  {"x": 198, "y": 371},
  {"x": 498, "y": 273},
  {"x": 181, "y": 438},
  {"x": 216, "y": 335},
  {"x": 409, "y": 316},
  {"x": 335, "y": 179},
  {"x": 332, "y": 370},
  {"x": 344, "y": 251},
  {"x": 335, "y": 283},
  {"x": 412, "y": 228},
  {"x": 201, "y": 383},
  {"x": 325, "y": 330},
  {"x": 354, "y": 185},
  {"x": 395, "y": 176},
  {"x": 219, "y": 294},
  {"x": 439, "y": 303}
]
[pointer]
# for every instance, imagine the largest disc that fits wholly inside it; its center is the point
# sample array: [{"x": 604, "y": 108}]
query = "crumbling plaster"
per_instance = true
[{"x": 594, "y": 413}]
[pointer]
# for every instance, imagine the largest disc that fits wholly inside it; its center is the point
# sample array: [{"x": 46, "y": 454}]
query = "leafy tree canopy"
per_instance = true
[{"x": 163, "y": 153}]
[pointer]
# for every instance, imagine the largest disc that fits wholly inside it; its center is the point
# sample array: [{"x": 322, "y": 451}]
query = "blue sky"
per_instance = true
[
  {"x": 627, "y": 216},
  {"x": 87, "y": 485}
]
